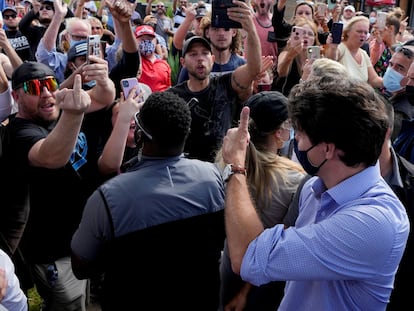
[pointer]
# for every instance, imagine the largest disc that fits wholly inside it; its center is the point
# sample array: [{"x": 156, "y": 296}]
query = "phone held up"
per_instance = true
[
  {"x": 219, "y": 17},
  {"x": 336, "y": 31},
  {"x": 128, "y": 84},
  {"x": 314, "y": 52},
  {"x": 94, "y": 46},
  {"x": 297, "y": 34}
]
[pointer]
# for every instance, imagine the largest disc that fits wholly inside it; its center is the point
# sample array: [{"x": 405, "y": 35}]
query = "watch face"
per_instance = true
[{"x": 227, "y": 172}]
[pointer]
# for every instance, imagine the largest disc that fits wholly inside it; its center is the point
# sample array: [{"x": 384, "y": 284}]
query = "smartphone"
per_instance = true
[
  {"x": 94, "y": 46},
  {"x": 219, "y": 17},
  {"x": 322, "y": 8},
  {"x": 297, "y": 33},
  {"x": 381, "y": 19},
  {"x": 336, "y": 32},
  {"x": 314, "y": 52},
  {"x": 127, "y": 84}
]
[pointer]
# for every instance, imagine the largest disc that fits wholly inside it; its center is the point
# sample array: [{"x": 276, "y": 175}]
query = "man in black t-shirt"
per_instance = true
[
  {"x": 17, "y": 40},
  {"x": 217, "y": 100}
]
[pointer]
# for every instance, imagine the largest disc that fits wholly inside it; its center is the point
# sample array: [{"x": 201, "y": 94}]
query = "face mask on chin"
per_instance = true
[
  {"x": 392, "y": 80},
  {"x": 303, "y": 159}
]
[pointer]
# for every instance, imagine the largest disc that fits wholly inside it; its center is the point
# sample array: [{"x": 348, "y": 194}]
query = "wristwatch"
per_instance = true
[{"x": 230, "y": 170}]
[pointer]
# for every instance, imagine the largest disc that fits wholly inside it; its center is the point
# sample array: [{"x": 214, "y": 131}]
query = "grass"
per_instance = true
[{"x": 35, "y": 301}]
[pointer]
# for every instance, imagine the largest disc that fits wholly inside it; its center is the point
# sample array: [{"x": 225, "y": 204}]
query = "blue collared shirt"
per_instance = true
[{"x": 344, "y": 251}]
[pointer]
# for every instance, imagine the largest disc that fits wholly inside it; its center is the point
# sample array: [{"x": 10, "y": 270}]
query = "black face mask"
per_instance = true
[{"x": 409, "y": 92}]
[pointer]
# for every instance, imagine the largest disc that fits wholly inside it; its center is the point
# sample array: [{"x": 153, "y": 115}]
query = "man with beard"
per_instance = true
[
  {"x": 215, "y": 101},
  {"x": 164, "y": 24},
  {"x": 43, "y": 11},
  {"x": 225, "y": 43},
  {"x": 17, "y": 40}
]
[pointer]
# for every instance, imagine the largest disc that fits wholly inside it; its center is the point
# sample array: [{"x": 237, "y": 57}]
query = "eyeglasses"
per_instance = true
[
  {"x": 160, "y": 6},
  {"x": 78, "y": 37},
  {"x": 13, "y": 16},
  {"x": 35, "y": 87},
  {"x": 96, "y": 28},
  {"x": 407, "y": 52},
  {"x": 140, "y": 126},
  {"x": 46, "y": 7}
]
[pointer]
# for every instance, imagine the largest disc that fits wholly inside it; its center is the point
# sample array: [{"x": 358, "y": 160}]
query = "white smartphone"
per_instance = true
[
  {"x": 381, "y": 19},
  {"x": 94, "y": 46},
  {"x": 127, "y": 85},
  {"x": 314, "y": 52},
  {"x": 297, "y": 33}
]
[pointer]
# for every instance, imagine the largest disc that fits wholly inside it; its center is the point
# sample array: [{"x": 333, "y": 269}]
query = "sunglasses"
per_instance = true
[
  {"x": 46, "y": 7},
  {"x": 160, "y": 6},
  {"x": 138, "y": 123},
  {"x": 13, "y": 16},
  {"x": 407, "y": 52},
  {"x": 35, "y": 87},
  {"x": 96, "y": 28}
]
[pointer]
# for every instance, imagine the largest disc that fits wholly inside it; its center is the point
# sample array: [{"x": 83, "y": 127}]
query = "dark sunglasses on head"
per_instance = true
[
  {"x": 406, "y": 51},
  {"x": 13, "y": 16},
  {"x": 35, "y": 87},
  {"x": 46, "y": 7}
]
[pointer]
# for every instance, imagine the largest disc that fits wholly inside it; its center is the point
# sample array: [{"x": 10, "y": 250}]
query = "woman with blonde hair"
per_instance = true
[
  {"x": 273, "y": 181},
  {"x": 350, "y": 54},
  {"x": 292, "y": 59}
]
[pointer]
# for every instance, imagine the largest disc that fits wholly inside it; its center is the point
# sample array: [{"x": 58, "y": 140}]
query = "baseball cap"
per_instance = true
[
  {"x": 195, "y": 39},
  {"x": 78, "y": 49},
  {"x": 9, "y": 8},
  {"x": 144, "y": 30},
  {"x": 268, "y": 109},
  {"x": 30, "y": 71},
  {"x": 350, "y": 7}
]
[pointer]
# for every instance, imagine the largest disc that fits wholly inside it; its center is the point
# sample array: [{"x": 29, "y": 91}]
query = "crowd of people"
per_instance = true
[{"x": 243, "y": 171}]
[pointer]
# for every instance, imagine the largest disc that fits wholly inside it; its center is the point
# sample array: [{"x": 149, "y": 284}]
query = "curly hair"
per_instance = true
[{"x": 167, "y": 117}]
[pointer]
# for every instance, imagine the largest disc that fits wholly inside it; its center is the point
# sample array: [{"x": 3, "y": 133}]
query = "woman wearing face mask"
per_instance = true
[
  {"x": 156, "y": 72},
  {"x": 273, "y": 181}
]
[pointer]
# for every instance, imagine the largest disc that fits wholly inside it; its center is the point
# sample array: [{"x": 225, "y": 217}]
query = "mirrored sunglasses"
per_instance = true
[{"x": 35, "y": 87}]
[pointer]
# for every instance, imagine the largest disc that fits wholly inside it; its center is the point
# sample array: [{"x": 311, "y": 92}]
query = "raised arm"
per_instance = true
[
  {"x": 55, "y": 150},
  {"x": 184, "y": 28},
  {"x": 244, "y": 75},
  {"x": 242, "y": 222}
]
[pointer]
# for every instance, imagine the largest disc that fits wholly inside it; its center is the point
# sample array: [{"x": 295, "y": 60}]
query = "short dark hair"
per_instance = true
[
  {"x": 345, "y": 112},
  {"x": 167, "y": 117}
]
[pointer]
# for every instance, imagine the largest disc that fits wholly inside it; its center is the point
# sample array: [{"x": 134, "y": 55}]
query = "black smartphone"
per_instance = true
[
  {"x": 219, "y": 17},
  {"x": 336, "y": 32}
]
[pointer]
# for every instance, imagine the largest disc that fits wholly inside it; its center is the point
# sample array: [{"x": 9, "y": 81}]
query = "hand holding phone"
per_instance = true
[{"x": 128, "y": 84}]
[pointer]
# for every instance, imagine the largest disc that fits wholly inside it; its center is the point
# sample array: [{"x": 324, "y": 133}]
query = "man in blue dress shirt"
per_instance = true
[{"x": 351, "y": 231}]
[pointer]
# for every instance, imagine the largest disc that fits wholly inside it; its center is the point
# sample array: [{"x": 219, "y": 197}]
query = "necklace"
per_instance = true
[{"x": 262, "y": 24}]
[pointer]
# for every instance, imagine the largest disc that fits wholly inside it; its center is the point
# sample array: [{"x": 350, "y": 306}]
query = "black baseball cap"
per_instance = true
[
  {"x": 192, "y": 40},
  {"x": 30, "y": 71},
  {"x": 268, "y": 109}
]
